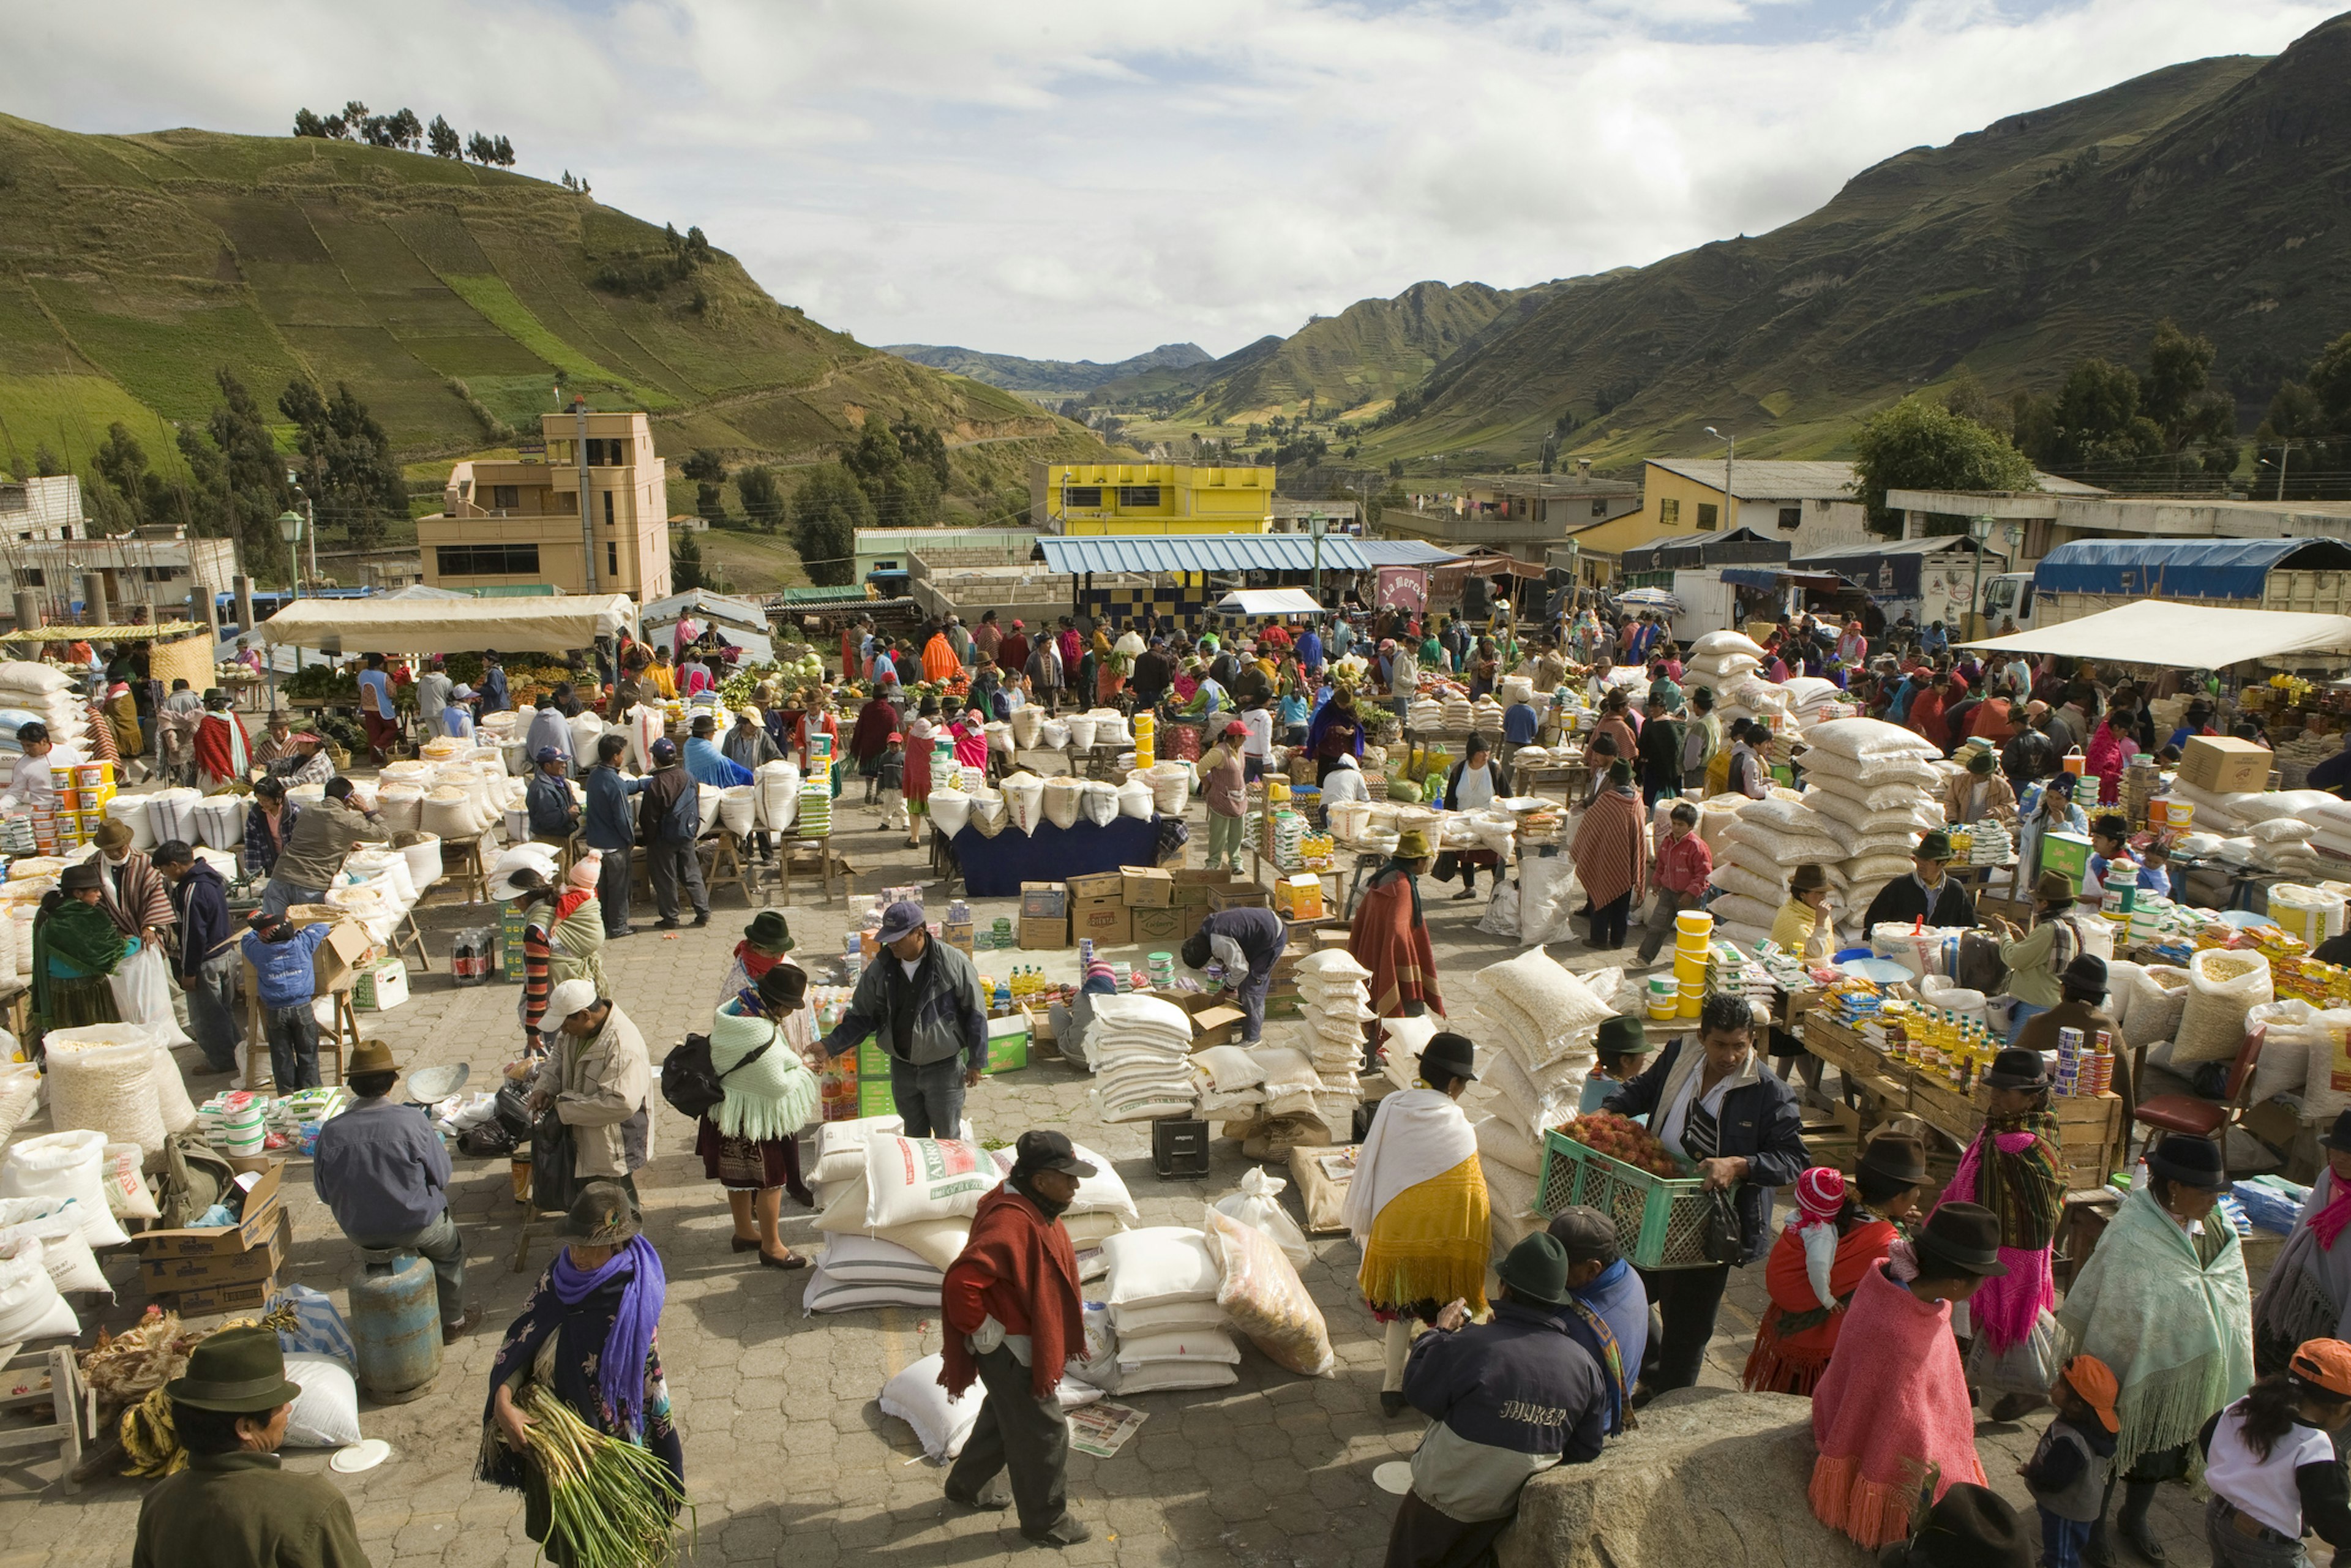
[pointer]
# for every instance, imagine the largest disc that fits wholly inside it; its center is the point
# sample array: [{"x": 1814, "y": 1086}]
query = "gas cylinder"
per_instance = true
[{"x": 395, "y": 1325}]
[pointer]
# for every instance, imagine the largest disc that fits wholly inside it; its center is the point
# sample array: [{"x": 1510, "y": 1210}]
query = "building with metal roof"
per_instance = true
[
  {"x": 1201, "y": 552},
  {"x": 1404, "y": 552}
]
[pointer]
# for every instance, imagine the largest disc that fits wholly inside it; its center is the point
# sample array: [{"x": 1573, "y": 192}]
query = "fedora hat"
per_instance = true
[
  {"x": 2190, "y": 1161},
  {"x": 2087, "y": 972},
  {"x": 1448, "y": 1055},
  {"x": 370, "y": 1056},
  {"x": 2017, "y": 1068},
  {"x": 1970, "y": 1527},
  {"x": 1808, "y": 878},
  {"x": 1897, "y": 1156},
  {"x": 237, "y": 1372},
  {"x": 1412, "y": 844},
  {"x": 1962, "y": 1236},
  {"x": 1933, "y": 845},
  {"x": 769, "y": 933},
  {"x": 1536, "y": 1270},
  {"x": 1622, "y": 1035},
  {"x": 2053, "y": 887},
  {"x": 112, "y": 837},
  {"x": 2338, "y": 1136}
]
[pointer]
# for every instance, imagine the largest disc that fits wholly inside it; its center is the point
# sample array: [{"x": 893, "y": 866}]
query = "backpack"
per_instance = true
[
  {"x": 195, "y": 1178},
  {"x": 691, "y": 1083},
  {"x": 682, "y": 823}
]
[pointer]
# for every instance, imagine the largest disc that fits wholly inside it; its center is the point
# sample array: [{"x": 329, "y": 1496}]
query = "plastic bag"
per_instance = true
[
  {"x": 2029, "y": 1367},
  {"x": 143, "y": 995},
  {"x": 1501, "y": 917},
  {"x": 1264, "y": 1298},
  {"x": 318, "y": 1328},
  {"x": 1257, "y": 1203}
]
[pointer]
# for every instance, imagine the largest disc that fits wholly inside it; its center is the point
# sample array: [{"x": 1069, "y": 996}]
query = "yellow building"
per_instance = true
[
  {"x": 515, "y": 523},
  {"x": 1150, "y": 499}
]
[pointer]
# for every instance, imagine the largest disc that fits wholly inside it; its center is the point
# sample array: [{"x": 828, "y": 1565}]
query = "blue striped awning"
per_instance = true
[
  {"x": 1199, "y": 552},
  {"x": 1404, "y": 552}
]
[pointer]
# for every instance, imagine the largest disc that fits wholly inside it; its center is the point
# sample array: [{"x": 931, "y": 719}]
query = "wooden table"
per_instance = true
[{"x": 1572, "y": 779}]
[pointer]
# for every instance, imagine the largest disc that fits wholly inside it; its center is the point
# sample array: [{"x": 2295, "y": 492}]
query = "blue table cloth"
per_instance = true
[{"x": 995, "y": 868}]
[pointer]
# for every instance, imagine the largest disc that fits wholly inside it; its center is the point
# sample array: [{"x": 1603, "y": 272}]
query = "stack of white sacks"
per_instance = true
[
  {"x": 1872, "y": 786},
  {"x": 1757, "y": 852},
  {"x": 897, "y": 1210},
  {"x": 1161, "y": 1296},
  {"x": 30, "y": 693},
  {"x": 1721, "y": 660},
  {"x": 1534, "y": 1023},
  {"x": 1140, "y": 1050},
  {"x": 1333, "y": 989}
]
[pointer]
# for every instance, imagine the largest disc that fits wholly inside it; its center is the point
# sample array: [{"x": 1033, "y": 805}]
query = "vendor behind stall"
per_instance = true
[
  {"x": 2037, "y": 963},
  {"x": 1928, "y": 892}
]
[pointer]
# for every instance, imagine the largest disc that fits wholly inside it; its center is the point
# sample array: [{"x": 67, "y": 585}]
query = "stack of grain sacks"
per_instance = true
[
  {"x": 1541, "y": 1018},
  {"x": 1872, "y": 788},
  {"x": 1760, "y": 851}
]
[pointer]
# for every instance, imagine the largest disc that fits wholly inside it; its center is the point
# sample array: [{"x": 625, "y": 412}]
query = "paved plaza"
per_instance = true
[{"x": 787, "y": 1457}]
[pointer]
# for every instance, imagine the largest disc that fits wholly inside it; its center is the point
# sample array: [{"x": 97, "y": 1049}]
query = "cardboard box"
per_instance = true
[
  {"x": 2066, "y": 852},
  {"x": 262, "y": 1202},
  {"x": 1040, "y": 935},
  {"x": 215, "y": 1299},
  {"x": 1218, "y": 1025},
  {"x": 1240, "y": 895},
  {"x": 2223, "y": 764},
  {"x": 1097, "y": 885},
  {"x": 1329, "y": 937},
  {"x": 1146, "y": 887},
  {"x": 873, "y": 1096},
  {"x": 1171, "y": 924},
  {"x": 1105, "y": 920},
  {"x": 379, "y": 986},
  {"x": 1191, "y": 887},
  {"x": 1007, "y": 1043},
  {"x": 166, "y": 1275},
  {"x": 1299, "y": 897},
  {"x": 1044, "y": 901},
  {"x": 337, "y": 963},
  {"x": 958, "y": 934}
]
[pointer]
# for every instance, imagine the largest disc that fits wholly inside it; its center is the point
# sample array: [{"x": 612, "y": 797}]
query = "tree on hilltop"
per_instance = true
[
  {"x": 1921, "y": 444},
  {"x": 827, "y": 511},
  {"x": 443, "y": 138}
]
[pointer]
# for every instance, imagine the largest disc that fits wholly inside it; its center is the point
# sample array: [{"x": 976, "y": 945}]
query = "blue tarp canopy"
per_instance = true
[{"x": 2181, "y": 569}]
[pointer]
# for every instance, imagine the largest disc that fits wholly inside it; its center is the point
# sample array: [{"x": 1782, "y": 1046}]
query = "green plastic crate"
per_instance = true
[{"x": 1660, "y": 1221}]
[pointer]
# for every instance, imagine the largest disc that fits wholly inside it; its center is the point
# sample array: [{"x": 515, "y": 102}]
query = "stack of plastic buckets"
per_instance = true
[
  {"x": 1663, "y": 998},
  {"x": 1146, "y": 739},
  {"x": 1692, "y": 927}
]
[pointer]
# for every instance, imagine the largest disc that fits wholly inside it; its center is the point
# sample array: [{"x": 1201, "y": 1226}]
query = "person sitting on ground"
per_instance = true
[
  {"x": 1482, "y": 1388},
  {"x": 384, "y": 1173}
]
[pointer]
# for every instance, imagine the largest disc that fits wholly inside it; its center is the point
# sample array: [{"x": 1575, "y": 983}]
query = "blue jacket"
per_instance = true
[
  {"x": 549, "y": 800},
  {"x": 493, "y": 690},
  {"x": 1618, "y": 1299},
  {"x": 201, "y": 901},
  {"x": 1511, "y": 1397},
  {"x": 607, "y": 827},
  {"x": 283, "y": 970},
  {"x": 1520, "y": 725},
  {"x": 705, "y": 764},
  {"x": 1309, "y": 649}
]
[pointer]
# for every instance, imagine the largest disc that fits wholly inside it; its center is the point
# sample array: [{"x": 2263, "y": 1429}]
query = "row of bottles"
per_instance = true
[
  {"x": 1021, "y": 984},
  {"x": 1939, "y": 1042}
]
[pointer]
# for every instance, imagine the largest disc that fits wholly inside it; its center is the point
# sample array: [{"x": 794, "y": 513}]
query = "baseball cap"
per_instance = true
[
  {"x": 2094, "y": 1380},
  {"x": 2324, "y": 1364},
  {"x": 665, "y": 750},
  {"x": 547, "y": 754},
  {"x": 571, "y": 997},
  {"x": 1586, "y": 1233},
  {"x": 1045, "y": 1150},
  {"x": 900, "y": 921}
]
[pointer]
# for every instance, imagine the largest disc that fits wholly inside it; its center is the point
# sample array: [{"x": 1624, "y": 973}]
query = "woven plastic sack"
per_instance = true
[
  {"x": 105, "y": 1080},
  {"x": 738, "y": 807},
  {"x": 989, "y": 813},
  {"x": 171, "y": 814},
  {"x": 1715, "y": 645},
  {"x": 1098, "y": 802},
  {"x": 908, "y": 1179},
  {"x": 1024, "y": 801},
  {"x": 1063, "y": 797},
  {"x": 1557, "y": 1007},
  {"x": 1171, "y": 787},
  {"x": 1867, "y": 737},
  {"x": 1053, "y": 735},
  {"x": 2159, "y": 995},
  {"x": 2222, "y": 987},
  {"x": 20, "y": 1089},
  {"x": 1134, "y": 799},
  {"x": 30, "y": 1307},
  {"x": 402, "y": 807},
  {"x": 2326, "y": 1091},
  {"x": 1082, "y": 726},
  {"x": 66, "y": 1166},
  {"x": 950, "y": 808},
  {"x": 1263, "y": 1296},
  {"x": 1026, "y": 723},
  {"x": 776, "y": 787},
  {"x": 65, "y": 1250},
  {"x": 2293, "y": 1031}
]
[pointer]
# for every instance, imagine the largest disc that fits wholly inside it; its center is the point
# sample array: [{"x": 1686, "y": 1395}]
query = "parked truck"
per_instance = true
[{"x": 2087, "y": 575}]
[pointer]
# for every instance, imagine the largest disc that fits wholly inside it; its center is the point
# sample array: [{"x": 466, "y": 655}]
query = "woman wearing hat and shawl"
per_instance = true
[
  {"x": 1795, "y": 1339},
  {"x": 562, "y": 933},
  {"x": 1389, "y": 935},
  {"x": 764, "y": 943},
  {"x": 232, "y": 1505},
  {"x": 224, "y": 751},
  {"x": 2015, "y": 1168},
  {"x": 1611, "y": 856},
  {"x": 1804, "y": 925},
  {"x": 588, "y": 1335},
  {"x": 1334, "y": 731},
  {"x": 870, "y": 738},
  {"x": 2308, "y": 1295},
  {"x": 1417, "y": 1206},
  {"x": 2037, "y": 963},
  {"x": 2163, "y": 1302},
  {"x": 76, "y": 945},
  {"x": 1894, "y": 1400},
  {"x": 759, "y": 1043}
]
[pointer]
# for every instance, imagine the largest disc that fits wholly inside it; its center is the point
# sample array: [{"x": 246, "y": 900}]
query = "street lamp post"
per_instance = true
[
  {"x": 1978, "y": 530},
  {"x": 1731, "y": 457},
  {"x": 289, "y": 528}
]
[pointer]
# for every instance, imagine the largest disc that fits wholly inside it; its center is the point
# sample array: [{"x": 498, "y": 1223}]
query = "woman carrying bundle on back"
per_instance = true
[
  {"x": 2015, "y": 1169},
  {"x": 759, "y": 1043},
  {"x": 1799, "y": 1328},
  {"x": 76, "y": 945}
]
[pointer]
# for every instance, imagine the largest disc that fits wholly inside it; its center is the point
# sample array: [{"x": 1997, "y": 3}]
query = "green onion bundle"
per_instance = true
[{"x": 612, "y": 1504}]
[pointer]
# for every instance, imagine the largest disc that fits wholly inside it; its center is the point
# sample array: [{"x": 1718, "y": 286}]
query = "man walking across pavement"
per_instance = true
[
  {"x": 921, "y": 1001},
  {"x": 670, "y": 823},
  {"x": 600, "y": 1081},
  {"x": 208, "y": 959},
  {"x": 384, "y": 1173}
]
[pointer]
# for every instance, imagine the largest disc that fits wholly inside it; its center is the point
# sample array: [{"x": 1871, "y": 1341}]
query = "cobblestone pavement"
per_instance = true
[{"x": 788, "y": 1458}]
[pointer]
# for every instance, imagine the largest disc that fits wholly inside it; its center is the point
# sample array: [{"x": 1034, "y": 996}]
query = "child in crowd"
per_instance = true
[
  {"x": 1820, "y": 1199},
  {"x": 2067, "y": 1473},
  {"x": 1293, "y": 717},
  {"x": 2154, "y": 870},
  {"x": 1682, "y": 866},
  {"x": 1257, "y": 744},
  {"x": 892, "y": 779},
  {"x": 282, "y": 959},
  {"x": 1622, "y": 1048}
]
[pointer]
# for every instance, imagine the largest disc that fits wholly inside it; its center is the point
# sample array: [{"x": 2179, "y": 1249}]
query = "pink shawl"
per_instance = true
[
  {"x": 2005, "y": 1308},
  {"x": 1893, "y": 1402}
]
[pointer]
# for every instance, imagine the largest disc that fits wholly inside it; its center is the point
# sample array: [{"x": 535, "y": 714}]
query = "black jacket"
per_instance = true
[
  {"x": 1904, "y": 899},
  {"x": 1759, "y": 1120}
]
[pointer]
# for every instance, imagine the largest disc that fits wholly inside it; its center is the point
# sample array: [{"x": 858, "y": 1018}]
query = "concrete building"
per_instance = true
[
  {"x": 1572, "y": 521},
  {"x": 47, "y": 548},
  {"x": 1810, "y": 505},
  {"x": 1130, "y": 499},
  {"x": 507, "y": 523},
  {"x": 2063, "y": 511},
  {"x": 893, "y": 550}
]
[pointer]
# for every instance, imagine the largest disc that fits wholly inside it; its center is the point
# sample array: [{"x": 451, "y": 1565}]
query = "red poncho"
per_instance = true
[
  {"x": 1796, "y": 1337},
  {"x": 1610, "y": 850},
  {"x": 1019, "y": 1268},
  {"x": 1389, "y": 938}
]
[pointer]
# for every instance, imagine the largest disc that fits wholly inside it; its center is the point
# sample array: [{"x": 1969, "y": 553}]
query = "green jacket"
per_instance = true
[{"x": 241, "y": 1510}]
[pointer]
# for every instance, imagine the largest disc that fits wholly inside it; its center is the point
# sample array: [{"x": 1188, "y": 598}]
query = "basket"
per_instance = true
[{"x": 1660, "y": 1221}]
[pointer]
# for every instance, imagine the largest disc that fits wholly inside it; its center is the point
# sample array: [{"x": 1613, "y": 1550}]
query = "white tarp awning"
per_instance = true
[
  {"x": 1269, "y": 601},
  {"x": 554, "y": 624},
  {"x": 2181, "y": 636}
]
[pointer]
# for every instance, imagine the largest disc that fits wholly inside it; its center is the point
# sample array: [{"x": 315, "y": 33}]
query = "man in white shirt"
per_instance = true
[
  {"x": 31, "y": 782},
  {"x": 1258, "y": 744},
  {"x": 433, "y": 689}
]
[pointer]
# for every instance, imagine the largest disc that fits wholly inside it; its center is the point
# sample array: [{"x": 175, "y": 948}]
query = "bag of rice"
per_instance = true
[
  {"x": 2222, "y": 987},
  {"x": 1557, "y": 1007},
  {"x": 1265, "y": 1299},
  {"x": 1157, "y": 1264},
  {"x": 908, "y": 1179}
]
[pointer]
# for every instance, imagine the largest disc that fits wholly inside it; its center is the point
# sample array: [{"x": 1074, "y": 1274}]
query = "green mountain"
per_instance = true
[
  {"x": 2214, "y": 192},
  {"x": 1056, "y": 377},
  {"x": 452, "y": 297}
]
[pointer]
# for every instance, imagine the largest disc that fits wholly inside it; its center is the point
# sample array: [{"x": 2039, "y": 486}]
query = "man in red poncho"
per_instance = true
[
  {"x": 223, "y": 751},
  {"x": 1389, "y": 935},
  {"x": 1013, "y": 1319}
]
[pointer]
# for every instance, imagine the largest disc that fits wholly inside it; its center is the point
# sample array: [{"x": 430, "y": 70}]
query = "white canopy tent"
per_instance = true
[
  {"x": 2180, "y": 636},
  {"x": 553, "y": 624},
  {"x": 1268, "y": 601}
]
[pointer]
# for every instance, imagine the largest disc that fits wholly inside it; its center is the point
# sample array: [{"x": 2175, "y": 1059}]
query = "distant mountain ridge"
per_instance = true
[
  {"x": 1014, "y": 374},
  {"x": 2217, "y": 192}
]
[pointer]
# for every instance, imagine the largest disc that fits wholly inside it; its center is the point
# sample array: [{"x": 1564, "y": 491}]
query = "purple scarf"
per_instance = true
[{"x": 621, "y": 1370}]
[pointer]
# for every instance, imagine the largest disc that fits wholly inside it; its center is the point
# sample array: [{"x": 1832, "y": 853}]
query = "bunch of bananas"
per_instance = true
[{"x": 150, "y": 1446}]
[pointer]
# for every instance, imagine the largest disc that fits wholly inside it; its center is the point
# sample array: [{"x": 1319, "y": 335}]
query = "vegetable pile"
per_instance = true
[{"x": 1621, "y": 1139}]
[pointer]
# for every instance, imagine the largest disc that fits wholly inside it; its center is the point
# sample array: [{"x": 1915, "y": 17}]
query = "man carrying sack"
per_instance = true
[{"x": 233, "y": 1506}]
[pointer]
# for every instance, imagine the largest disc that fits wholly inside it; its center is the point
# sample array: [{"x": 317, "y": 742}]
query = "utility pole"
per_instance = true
[
  {"x": 587, "y": 515},
  {"x": 1731, "y": 457}
]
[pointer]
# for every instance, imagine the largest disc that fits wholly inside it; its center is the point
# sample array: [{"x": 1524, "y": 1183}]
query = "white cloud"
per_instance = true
[{"x": 1034, "y": 178}]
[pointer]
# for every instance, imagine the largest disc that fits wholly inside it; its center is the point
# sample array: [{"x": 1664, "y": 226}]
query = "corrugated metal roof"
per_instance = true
[
  {"x": 1935, "y": 545},
  {"x": 1200, "y": 552},
  {"x": 840, "y": 594},
  {"x": 1404, "y": 552}
]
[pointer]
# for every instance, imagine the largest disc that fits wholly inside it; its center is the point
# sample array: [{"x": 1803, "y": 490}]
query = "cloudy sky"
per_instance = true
[{"x": 1085, "y": 181}]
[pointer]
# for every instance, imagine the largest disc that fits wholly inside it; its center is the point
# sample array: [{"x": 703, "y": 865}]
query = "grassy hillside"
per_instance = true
[
  {"x": 1050, "y": 378},
  {"x": 131, "y": 266},
  {"x": 2214, "y": 192}
]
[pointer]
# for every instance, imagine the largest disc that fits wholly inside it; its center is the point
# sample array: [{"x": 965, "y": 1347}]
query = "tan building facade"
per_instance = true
[{"x": 515, "y": 522}]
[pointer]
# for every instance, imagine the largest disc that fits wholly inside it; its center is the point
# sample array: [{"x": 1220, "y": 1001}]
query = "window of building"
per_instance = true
[
  {"x": 1138, "y": 495},
  {"x": 1710, "y": 517},
  {"x": 487, "y": 560},
  {"x": 1791, "y": 517},
  {"x": 33, "y": 577},
  {"x": 159, "y": 573},
  {"x": 1082, "y": 496},
  {"x": 1669, "y": 513},
  {"x": 612, "y": 561},
  {"x": 607, "y": 508},
  {"x": 506, "y": 498},
  {"x": 604, "y": 454},
  {"x": 1599, "y": 509}
]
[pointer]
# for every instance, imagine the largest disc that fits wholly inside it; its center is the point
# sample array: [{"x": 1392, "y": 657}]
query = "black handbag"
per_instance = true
[
  {"x": 553, "y": 1184},
  {"x": 1725, "y": 1241}
]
